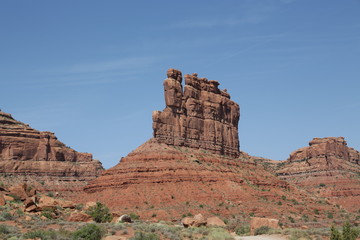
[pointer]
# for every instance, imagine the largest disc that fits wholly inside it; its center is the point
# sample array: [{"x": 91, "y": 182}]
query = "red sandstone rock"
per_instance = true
[
  {"x": 327, "y": 166},
  {"x": 79, "y": 217},
  {"x": 19, "y": 191},
  {"x": 198, "y": 116},
  {"x": 49, "y": 202},
  {"x": 215, "y": 221},
  {"x": 2, "y": 199},
  {"x": 257, "y": 222},
  {"x": 30, "y": 153}
]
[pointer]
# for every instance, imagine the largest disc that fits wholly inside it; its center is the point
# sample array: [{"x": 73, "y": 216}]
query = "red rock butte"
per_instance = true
[
  {"x": 327, "y": 166},
  {"x": 200, "y": 115},
  {"x": 26, "y": 153},
  {"x": 193, "y": 164}
]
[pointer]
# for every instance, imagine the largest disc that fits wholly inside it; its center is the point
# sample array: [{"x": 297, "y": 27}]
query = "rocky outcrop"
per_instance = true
[
  {"x": 200, "y": 115},
  {"x": 27, "y": 152},
  {"x": 329, "y": 148},
  {"x": 257, "y": 222},
  {"x": 328, "y": 167}
]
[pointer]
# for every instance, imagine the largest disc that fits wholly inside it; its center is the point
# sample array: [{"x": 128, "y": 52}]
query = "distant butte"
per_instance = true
[
  {"x": 327, "y": 166},
  {"x": 34, "y": 156},
  {"x": 200, "y": 115}
]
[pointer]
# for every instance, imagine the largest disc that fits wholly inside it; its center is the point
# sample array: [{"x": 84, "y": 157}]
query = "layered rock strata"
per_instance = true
[
  {"x": 27, "y": 152},
  {"x": 328, "y": 167},
  {"x": 200, "y": 115},
  {"x": 168, "y": 181}
]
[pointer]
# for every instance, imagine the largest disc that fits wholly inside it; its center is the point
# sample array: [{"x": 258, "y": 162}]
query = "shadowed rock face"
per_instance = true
[
  {"x": 25, "y": 151},
  {"x": 200, "y": 115}
]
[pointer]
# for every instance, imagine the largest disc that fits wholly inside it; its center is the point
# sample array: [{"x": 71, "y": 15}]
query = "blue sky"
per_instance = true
[{"x": 92, "y": 71}]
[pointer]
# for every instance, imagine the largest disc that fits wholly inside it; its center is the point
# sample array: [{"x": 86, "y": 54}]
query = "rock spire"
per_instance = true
[{"x": 200, "y": 115}]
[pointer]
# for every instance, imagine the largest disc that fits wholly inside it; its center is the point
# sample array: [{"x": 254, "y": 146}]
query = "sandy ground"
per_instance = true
[{"x": 262, "y": 237}]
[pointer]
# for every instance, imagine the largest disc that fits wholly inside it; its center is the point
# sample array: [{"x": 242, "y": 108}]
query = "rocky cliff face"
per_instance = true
[
  {"x": 328, "y": 167},
  {"x": 27, "y": 152},
  {"x": 200, "y": 115}
]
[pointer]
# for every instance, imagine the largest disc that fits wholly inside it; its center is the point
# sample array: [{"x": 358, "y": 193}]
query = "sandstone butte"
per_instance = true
[
  {"x": 40, "y": 159},
  {"x": 193, "y": 165},
  {"x": 327, "y": 167}
]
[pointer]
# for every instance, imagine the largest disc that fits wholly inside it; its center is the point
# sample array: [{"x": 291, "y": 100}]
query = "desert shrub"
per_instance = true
[
  {"x": 5, "y": 215},
  {"x": 297, "y": 234},
  {"x": 291, "y": 219},
  {"x": 243, "y": 230},
  {"x": 219, "y": 234},
  {"x": 305, "y": 217},
  {"x": 335, "y": 234},
  {"x": 89, "y": 232},
  {"x": 348, "y": 232},
  {"x": 50, "y": 194},
  {"x": 100, "y": 213},
  {"x": 4, "y": 229},
  {"x": 42, "y": 234},
  {"x": 145, "y": 236},
  {"x": 79, "y": 206},
  {"x": 262, "y": 230},
  {"x": 134, "y": 216}
]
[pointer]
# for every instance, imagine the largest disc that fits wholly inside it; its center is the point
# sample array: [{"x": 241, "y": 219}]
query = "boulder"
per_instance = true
[
  {"x": 79, "y": 217},
  {"x": 46, "y": 201},
  {"x": 124, "y": 218},
  {"x": 30, "y": 201},
  {"x": 257, "y": 222},
  {"x": 197, "y": 221},
  {"x": 88, "y": 205},
  {"x": 8, "y": 198},
  {"x": 215, "y": 221},
  {"x": 19, "y": 191},
  {"x": 187, "y": 222},
  {"x": 2, "y": 200}
]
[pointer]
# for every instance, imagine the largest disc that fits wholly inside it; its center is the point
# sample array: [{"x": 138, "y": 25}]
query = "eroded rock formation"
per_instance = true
[
  {"x": 27, "y": 152},
  {"x": 200, "y": 115},
  {"x": 328, "y": 148},
  {"x": 327, "y": 166}
]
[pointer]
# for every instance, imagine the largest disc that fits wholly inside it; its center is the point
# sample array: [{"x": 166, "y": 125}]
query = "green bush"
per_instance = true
[
  {"x": 100, "y": 213},
  {"x": 219, "y": 234},
  {"x": 297, "y": 234},
  {"x": 5, "y": 215},
  {"x": 348, "y": 233},
  {"x": 262, "y": 230},
  {"x": 4, "y": 229},
  {"x": 335, "y": 234},
  {"x": 134, "y": 216},
  {"x": 42, "y": 234},
  {"x": 145, "y": 236},
  {"x": 243, "y": 230},
  {"x": 89, "y": 232}
]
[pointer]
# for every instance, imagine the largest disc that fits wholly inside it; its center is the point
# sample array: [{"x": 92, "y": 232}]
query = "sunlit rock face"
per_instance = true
[{"x": 197, "y": 115}]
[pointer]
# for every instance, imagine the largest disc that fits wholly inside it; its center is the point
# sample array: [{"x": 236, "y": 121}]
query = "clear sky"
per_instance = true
[{"x": 92, "y": 71}]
